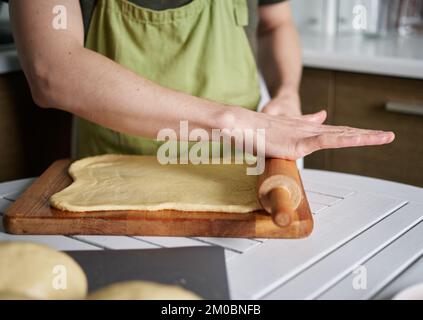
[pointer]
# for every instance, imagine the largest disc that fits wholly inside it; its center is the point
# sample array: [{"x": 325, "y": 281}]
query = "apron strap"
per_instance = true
[{"x": 241, "y": 12}]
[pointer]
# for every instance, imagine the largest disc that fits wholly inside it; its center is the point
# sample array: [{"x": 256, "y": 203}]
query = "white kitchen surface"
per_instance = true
[
  {"x": 390, "y": 55},
  {"x": 359, "y": 221}
]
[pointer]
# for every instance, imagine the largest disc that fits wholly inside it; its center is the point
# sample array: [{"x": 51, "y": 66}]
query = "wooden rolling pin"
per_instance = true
[{"x": 279, "y": 190}]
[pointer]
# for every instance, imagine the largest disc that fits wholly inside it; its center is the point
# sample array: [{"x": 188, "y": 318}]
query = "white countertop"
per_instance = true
[{"x": 392, "y": 56}]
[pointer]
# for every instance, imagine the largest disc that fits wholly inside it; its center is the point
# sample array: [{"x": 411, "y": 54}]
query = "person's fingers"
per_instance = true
[
  {"x": 343, "y": 130},
  {"x": 318, "y": 117},
  {"x": 376, "y": 138},
  {"x": 336, "y": 140},
  {"x": 364, "y": 139}
]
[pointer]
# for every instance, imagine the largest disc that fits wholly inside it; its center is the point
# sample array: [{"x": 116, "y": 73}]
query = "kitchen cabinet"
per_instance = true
[
  {"x": 316, "y": 92},
  {"x": 31, "y": 138},
  {"x": 360, "y": 100}
]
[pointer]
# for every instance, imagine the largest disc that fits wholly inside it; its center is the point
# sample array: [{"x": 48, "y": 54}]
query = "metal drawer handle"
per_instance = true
[{"x": 404, "y": 108}]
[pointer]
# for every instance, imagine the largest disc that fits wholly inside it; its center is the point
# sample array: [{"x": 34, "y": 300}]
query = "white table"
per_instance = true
[{"x": 326, "y": 192}]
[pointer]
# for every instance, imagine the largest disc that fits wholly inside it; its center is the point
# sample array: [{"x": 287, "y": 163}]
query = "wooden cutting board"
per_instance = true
[{"x": 32, "y": 214}]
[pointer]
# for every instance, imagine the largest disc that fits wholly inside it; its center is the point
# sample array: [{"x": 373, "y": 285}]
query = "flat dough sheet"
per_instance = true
[{"x": 115, "y": 182}]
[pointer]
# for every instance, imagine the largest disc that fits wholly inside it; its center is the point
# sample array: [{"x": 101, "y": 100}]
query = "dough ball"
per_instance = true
[
  {"x": 12, "y": 296},
  {"x": 142, "y": 290},
  {"x": 39, "y": 272}
]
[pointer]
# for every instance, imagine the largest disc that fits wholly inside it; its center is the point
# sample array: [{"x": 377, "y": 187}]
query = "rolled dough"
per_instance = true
[
  {"x": 13, "y": 296},
  {"x": 115, "y": 182},
  {"x": 142, "y": 290},
  {"x": 39, "y": 272}
]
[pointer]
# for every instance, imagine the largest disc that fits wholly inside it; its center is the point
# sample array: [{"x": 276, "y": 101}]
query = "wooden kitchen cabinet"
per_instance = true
[
  {"x": 31, "y": 138},
  {"x": 359, "y": 100},
  {"x": 317, "y": 88}
]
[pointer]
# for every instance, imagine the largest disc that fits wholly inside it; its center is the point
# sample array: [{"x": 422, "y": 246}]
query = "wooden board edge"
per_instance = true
[
  {"x": 17, "y": 223},
  {"x": 22, "y": 226}
]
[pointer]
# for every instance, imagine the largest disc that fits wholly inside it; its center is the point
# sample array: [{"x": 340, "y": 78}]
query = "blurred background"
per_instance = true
[
  {"x": 368, "y": 17},
  {"x": 363, "y": 62}
]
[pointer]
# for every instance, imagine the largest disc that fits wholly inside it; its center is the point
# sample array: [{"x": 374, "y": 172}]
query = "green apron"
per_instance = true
[{"x": 200, "y": 48}]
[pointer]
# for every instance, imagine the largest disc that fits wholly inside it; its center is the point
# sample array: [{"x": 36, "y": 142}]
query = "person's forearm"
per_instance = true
[
  {"x": 97, "y": 89},
  {"x": 280, "y": 58},
  {"x": 62, "y": 74}
]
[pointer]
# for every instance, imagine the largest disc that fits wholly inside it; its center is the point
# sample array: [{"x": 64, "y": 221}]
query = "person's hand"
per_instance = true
[
  {"x": 296, "y": 137},
  {"x": 293, "y": 138},
  {"x": 286, "y": 104}
]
